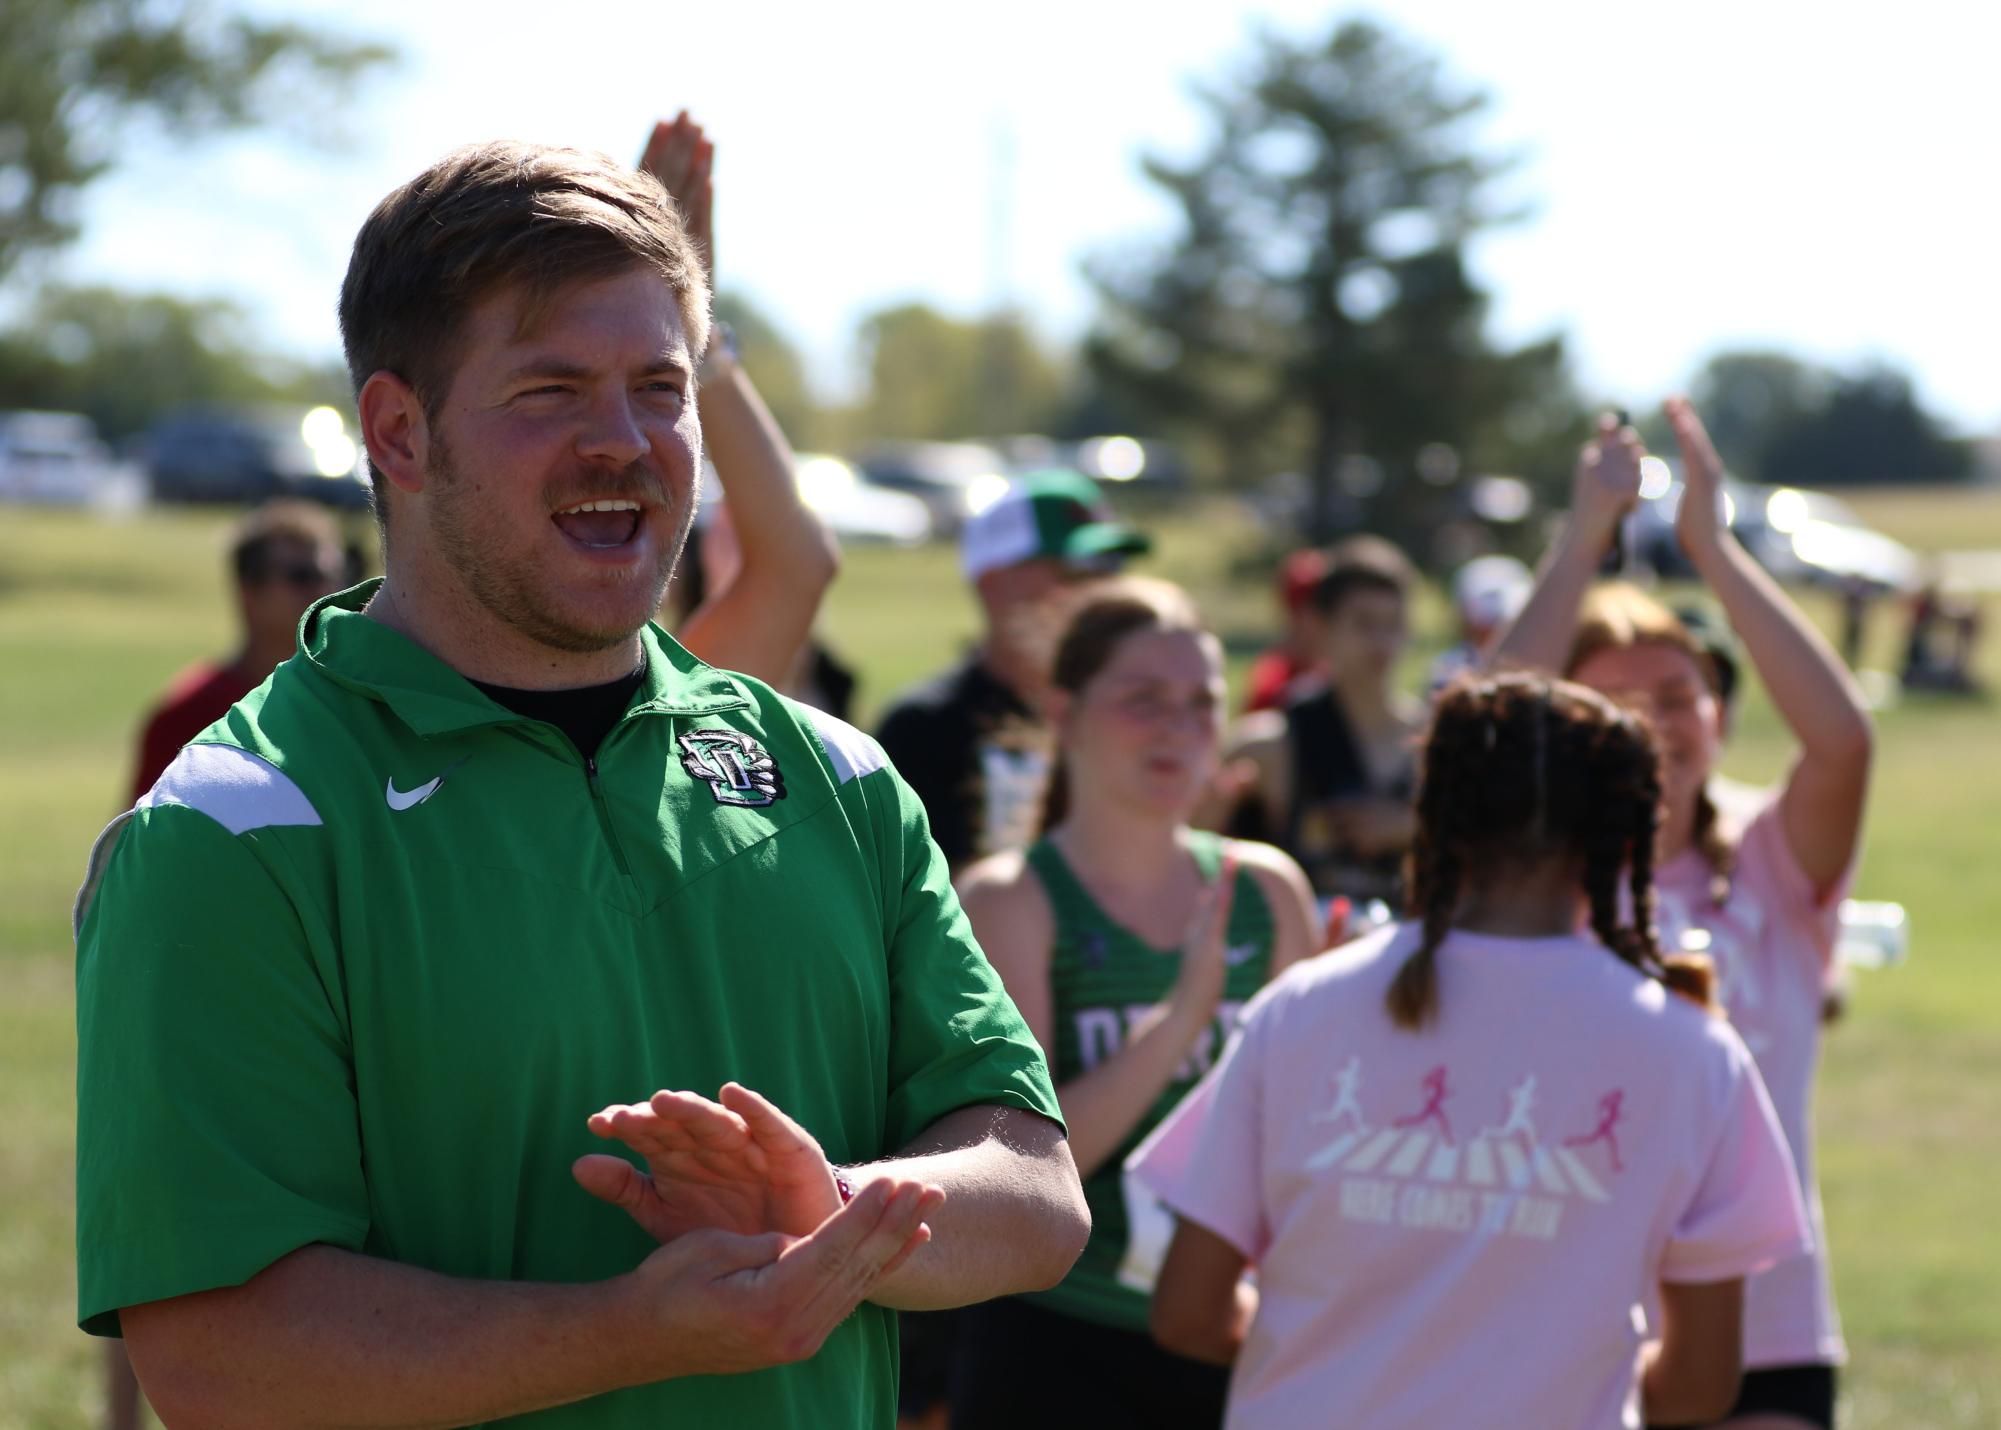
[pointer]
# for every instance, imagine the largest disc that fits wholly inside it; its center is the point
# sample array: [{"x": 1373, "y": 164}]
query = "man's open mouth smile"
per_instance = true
[{"x": 602, "y": 525}]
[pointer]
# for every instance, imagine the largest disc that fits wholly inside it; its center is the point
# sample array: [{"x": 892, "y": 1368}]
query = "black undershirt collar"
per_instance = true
[{"x": 585, "y": 714}]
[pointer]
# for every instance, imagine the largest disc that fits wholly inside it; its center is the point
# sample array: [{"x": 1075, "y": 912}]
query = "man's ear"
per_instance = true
[{"x": 395, "y": 429}]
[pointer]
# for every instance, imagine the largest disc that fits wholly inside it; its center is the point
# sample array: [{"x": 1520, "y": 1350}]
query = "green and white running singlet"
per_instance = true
[
  {"x": 1103, "y": 978},
  {"x": 360, "y": 965}
]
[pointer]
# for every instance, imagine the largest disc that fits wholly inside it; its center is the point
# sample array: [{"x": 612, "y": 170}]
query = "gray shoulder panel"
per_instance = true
[
  {"x": 853, "y": 753},
  {"x": 93, "y": 874},
  {"x": 238, "y": 790}
]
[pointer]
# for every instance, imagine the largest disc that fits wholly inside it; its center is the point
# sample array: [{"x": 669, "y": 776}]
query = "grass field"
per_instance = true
[{"x": 96, "y": 615}]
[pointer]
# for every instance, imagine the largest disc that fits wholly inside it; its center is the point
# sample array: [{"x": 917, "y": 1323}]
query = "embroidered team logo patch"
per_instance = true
[{"x": 739, "y": 770}]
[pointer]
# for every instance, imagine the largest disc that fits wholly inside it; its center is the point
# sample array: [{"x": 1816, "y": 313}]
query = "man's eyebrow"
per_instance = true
[
  {"x": 547, "y": 367},
  {"x": 675, "y": 361}
]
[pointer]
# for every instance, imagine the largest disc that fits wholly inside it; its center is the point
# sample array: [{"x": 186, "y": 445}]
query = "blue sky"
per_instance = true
[{"x": 1702, "y": 175}]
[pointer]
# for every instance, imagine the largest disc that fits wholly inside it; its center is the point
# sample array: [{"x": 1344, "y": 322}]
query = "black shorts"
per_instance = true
[
  {"x": 1019, "y": 1365},
  {"x": 1805, "y": 1392}
]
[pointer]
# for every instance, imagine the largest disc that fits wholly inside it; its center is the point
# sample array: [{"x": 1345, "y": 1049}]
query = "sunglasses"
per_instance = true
[{"x": 304, "y": 576}]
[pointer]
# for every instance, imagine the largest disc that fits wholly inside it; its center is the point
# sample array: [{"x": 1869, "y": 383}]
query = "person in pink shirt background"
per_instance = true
[
  {"x": 1463, "y": 1152},
  {"x": 1754, "y": 883}
]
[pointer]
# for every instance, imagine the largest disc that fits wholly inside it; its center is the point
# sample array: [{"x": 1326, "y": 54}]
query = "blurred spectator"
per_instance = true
[
  {"x": 285, "y": 555},
  {"x": 1854, "y": 619},
  {"x": 1330, "y": 776},
  {"x": 1945, "y": 631},
  {"x": 1129, "y": 942},
  {"x": 1488, "y": 593},
  {"x": 971, "y": 741},
  {"x": 972, "y": 745},
  {"x": 1283, "y": 671}
]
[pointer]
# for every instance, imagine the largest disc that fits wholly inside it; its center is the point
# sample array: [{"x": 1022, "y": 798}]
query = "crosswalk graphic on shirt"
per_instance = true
[
  {"x": 1510, "y": 1156},
  {"x": 1511, "y": 1165}
]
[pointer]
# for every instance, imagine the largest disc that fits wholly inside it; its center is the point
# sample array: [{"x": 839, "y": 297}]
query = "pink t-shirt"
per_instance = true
[
  {"x": 1457, "y": 1226},
  {"x": 1773, "y": 943}
]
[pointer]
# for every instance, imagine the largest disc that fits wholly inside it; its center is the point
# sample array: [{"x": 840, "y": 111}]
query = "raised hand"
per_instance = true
[
  {"x": 1607, "y": 481},
  {"x": 1205, "y": 965},
  {"x": 718, "y": 1303},
  {"x": 1699, "y": 524},
  {"x": 683, "y": 159},
  {"x": 737, "y": 1165}
]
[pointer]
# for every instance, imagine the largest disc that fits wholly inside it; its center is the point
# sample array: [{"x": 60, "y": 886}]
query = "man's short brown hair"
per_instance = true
[{"x": 495, "y": 216}]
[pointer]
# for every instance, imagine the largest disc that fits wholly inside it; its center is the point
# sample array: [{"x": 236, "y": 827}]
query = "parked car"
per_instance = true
[
  {"x": 856, "y": 509},
  {"x": 256, "y": 453},
  {"x": 952, "y": 479},
  {"x": 54, "y": 458},
  {"x": 1801, "y": 537}
]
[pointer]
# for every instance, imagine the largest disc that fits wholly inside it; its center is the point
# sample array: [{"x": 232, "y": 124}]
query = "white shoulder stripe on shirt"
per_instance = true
[
  {"x": 853, "y": 753},
  {"x": 238, "y": 790}
]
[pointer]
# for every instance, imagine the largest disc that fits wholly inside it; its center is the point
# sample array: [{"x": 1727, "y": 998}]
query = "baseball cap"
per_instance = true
[
  {"x": 1058, "y": 514},
  {"x": 1491, "y": 590},
  {"x": 1299, "y": 574},
  {"x": 1712, "y": 634}
]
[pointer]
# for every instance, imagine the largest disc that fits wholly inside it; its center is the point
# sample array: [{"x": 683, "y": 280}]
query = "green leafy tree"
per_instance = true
[
  {"x": 1870, "y": 429},
  {"x": 1749, "y": 397},
  {"x": 75, "y": 75},
  {"x": 1781, "y": 419},
  {"x": 126, "y": 359},
  {"x": 935, "y": 377},
  {"x": 1316, "y": 312},
  {"x": 775, "y": 366}
]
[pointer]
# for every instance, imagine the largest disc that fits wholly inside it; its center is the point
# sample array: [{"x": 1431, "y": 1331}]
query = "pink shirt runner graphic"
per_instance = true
[
  {"x": 1435, "y": 1093},
  {"x": 1608, "y": 1118}
]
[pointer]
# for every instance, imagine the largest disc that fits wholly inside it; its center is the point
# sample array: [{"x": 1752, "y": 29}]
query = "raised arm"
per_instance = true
[
  {"x": 1823, "y": 799},
  {"x": 759, "y": 619},
  {"x": 326, "y": 1337},
  {"x": 1606, "y": 484},
  {"x": 1011, "y": 919}
]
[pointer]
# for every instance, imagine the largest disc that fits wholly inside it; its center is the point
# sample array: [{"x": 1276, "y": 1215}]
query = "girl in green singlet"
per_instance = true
[{"x": 1129, "y": 941}]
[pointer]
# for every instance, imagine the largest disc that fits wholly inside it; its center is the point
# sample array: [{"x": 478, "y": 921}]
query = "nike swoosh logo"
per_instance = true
[
  {"x": 400, "y": 800},
  {"x": 1240, "y": 953}
]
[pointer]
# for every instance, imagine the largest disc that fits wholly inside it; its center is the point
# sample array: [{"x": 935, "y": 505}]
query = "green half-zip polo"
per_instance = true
[{"x": 360, "y": 965}]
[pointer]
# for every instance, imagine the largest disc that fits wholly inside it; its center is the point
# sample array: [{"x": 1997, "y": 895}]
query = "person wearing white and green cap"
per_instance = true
[{"x": 970, "y": 740}]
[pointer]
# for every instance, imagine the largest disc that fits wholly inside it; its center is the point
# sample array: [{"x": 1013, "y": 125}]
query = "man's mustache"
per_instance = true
[{"x": 631, "y": 483}]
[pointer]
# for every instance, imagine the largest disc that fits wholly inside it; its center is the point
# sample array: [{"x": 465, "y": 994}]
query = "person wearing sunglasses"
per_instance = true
[{"x": 283, "y": 556}]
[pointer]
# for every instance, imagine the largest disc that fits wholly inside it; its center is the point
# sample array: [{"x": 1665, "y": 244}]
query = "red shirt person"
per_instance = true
[{"x": 285, "y": 555}]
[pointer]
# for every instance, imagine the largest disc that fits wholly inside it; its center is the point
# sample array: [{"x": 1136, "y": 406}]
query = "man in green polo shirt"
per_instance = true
[{"x": 491, "y": 853}]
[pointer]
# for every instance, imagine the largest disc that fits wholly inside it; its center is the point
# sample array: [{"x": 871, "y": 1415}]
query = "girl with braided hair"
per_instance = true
[
  {"x": 1756, "y": 882},
  {"x": 1532, "y": 1133}
]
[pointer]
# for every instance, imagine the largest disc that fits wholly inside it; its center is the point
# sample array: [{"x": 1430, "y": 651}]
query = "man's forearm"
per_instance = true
[
  {"x": 1014, "y": 1218},
  {"x": 327, "y": 1337}
]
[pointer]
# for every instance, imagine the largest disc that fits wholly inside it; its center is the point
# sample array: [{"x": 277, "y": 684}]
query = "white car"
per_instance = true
[{"x": 55, "y": 459}]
